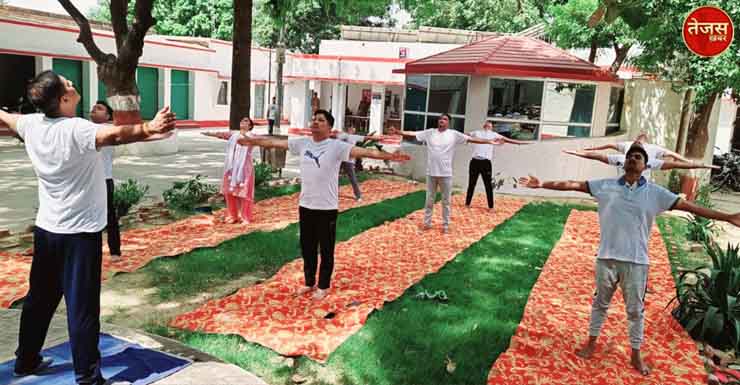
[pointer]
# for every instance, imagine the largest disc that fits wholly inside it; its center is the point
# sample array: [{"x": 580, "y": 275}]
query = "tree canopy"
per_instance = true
[{"x": 479, "y": 15}]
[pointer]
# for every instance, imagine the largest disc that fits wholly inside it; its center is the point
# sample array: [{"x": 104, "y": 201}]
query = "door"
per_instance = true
[
  {"x": 72, "y": 70},
  {"x": 148, "y": 81},
  {"x": 180, "y": 94}
]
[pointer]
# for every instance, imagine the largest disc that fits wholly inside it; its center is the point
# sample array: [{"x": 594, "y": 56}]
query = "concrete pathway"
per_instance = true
[{"x": 204, "y": 370}]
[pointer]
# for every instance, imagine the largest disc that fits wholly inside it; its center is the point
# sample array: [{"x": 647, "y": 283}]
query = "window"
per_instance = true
[
  {"x": 532, "y": 109},
  {"x": 223, "y": 93},
  {"x": 568, "y": 110},
  {"x": 429, "y": 96},
  {"x": 515, "y": 106},
  {"x": 616, "y": 103}
]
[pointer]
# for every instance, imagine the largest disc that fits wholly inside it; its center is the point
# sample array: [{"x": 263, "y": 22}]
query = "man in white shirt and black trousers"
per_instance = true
[
  {"x": 321, "y": 158},
  {"x": 102, "y": 113},
  {"x": 481, "y": 162},
  {"x": 627, "y": 209},
  {"x": 441, "y": 143},
  {"x": 67, "y": 238}
]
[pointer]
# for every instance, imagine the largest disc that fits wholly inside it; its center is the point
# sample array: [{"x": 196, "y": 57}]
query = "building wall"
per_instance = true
[
  {"x": 381, "y": 49},
  {"x": 727, "y": 110}
]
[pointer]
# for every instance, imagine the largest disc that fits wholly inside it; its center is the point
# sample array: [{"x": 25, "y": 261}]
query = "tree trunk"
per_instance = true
[
  {"x": 698, "y": 135},
  {"x": 688, "y": 100},
  {"x": 621, "y": 56},
  {"x": 279, "y": 85},
  {"x": 122, "y": 93},
  {"x": 241, "y": 63},
  {"x": 696, "y": 145},
  {"x": 594, "y": 49}
]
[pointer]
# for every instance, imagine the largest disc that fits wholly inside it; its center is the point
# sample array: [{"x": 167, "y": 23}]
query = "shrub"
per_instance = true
[
  {"x": 262, "y": 174},
  {"x": 700, "y": 229},
  {"x": 708, "y": 304},
  {"x": 185, "y": 196},
  {"x": 674, "y": 182},
  {"x": 128, "y": 194}
]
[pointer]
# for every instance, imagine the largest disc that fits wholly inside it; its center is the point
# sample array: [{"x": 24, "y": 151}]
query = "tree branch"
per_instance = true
[
  {"x": 133, "y": 45},
  {"x": 118, "y": 12},
  {"x": 86, "y": 36}
]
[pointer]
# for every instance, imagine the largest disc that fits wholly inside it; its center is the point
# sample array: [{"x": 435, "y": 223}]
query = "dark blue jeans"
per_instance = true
[{"x": 69, "y": 265}]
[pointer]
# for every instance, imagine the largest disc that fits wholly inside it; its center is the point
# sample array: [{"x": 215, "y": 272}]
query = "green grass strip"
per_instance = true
[
  {"x": 409, "y": 341},
  {"x": 261, "y": 252}
]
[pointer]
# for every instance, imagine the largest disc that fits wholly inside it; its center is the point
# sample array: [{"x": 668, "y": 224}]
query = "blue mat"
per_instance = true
[{"x": 121, "y": 361}]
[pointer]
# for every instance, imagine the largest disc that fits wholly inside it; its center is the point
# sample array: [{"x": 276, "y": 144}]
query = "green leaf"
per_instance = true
[{"x": 713, "y": 323}]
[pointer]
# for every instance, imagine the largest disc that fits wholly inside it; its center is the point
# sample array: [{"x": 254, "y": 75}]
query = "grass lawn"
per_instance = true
[
  {"x": 411, "y": 341},
  {"x": 673, "y": 230}
]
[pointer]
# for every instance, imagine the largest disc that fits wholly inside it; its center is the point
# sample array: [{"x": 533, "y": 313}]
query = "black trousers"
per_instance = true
[
  {"x": 114, "y": 232},
  {"x": 318, "y": 230},
  {"x": 483, "y": 168},
  {"x": 68, "y": 265},
  {"x": 270, "y": 124}
]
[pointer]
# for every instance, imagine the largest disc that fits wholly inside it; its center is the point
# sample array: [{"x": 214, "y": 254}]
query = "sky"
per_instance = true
[{"x": 52, "y": 5}]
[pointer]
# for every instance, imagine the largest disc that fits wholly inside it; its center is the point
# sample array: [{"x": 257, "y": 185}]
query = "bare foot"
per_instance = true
[
  {"x": 320, "y": 294},
  {"x": 304, "y": 290},
  {"x": 115, "y": 257},
  {"x": 426, "y": 227},
  {"x": 231, "y": 221},
  {"x": 639, "y": 364},
  {"x": 587, "y": 351}
]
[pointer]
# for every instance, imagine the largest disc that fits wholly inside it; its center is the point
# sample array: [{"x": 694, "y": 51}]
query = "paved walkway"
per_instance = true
[
  {"x": 204, "y": 370},
  {"x": 197, "y": 155}
]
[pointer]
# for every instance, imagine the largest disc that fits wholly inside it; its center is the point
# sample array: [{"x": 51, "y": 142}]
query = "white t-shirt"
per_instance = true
[
  {"x": 653, "y": 151},
  {"x": 319, "y": 164},
  {"x": 106, "y": 155},
  {"x": 626, "y": 217},
  {"x": 351, "y": 139},
  {"x": 440, "y": 149},
  {"x": 484, "y": 151},
  {"x": 72, "y": 195},
  {"x": 619, "y": 160},
  {"x": 271, "y": 111}
]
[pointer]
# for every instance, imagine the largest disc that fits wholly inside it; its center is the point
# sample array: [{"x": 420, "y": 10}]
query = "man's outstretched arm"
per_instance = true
[
  {"x": 565, "y": 185},
  {"x": 707, "y": 213},
  {"x": 264, "y": 141}
]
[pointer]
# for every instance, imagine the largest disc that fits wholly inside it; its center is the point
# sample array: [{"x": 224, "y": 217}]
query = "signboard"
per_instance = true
[{"x": 708, "y": 31}]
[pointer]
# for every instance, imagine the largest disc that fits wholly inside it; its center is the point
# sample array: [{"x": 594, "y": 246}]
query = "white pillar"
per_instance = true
[
  {"x": 601, "y": 109},
  {"x": 43, "y": 63},
  {"x": 165, "y": 88},
  {"x": 377, "y": 109},
  {"x": 476, "y": 108},
  {"x": 299, "y": 97},
  {"x": 90, "y": 85},
  {"x": 93, "y": 80},
  {"x": 338, "y": 104}
]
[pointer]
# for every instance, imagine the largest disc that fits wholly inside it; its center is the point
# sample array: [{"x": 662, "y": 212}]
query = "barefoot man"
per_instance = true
[
  {"x": 321, "y": 158},
  {"x": 627, "y": 208}
]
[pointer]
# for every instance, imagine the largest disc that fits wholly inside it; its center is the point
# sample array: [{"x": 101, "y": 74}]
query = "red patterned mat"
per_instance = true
[
  {"x": 555, "y": 323},
  {"x": 372, "y": 268},
  {"x": 140, "y": 246}
]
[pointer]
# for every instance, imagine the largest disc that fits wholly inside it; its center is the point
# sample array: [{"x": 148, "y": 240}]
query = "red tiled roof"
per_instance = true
[{"x": 511, "y": 56}]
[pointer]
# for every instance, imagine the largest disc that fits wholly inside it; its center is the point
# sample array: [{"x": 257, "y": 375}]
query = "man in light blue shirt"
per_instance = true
[{"x": 627, "y": 208}]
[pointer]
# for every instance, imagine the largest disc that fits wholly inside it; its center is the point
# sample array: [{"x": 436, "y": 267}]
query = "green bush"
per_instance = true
[
  {"x": 185, "y": 196},
  {"x": 127, "y": 194},
  {"x": 262, "y": 174},
  {"x": 674, "y": 182},
  {"x": 708, "y": 304},
  {"x": 700, "y": 229}
]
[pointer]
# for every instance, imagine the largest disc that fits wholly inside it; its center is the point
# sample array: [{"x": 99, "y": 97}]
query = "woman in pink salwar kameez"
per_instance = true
[{"x": 238, "y": 179}]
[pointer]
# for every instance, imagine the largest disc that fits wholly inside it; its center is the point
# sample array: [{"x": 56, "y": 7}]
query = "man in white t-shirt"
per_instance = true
[
  {"x": 627, "y": 209},
  {"x": 67, "y": 238},
  {"x": 102, "y": 113},
  {"x": 321, "y": 158},
  {"x": 481, "y": 162},
  {"x": 653, "y": 164},
  {"x": 654, "y": 151},
  {"x": 441, "y": 143}
]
